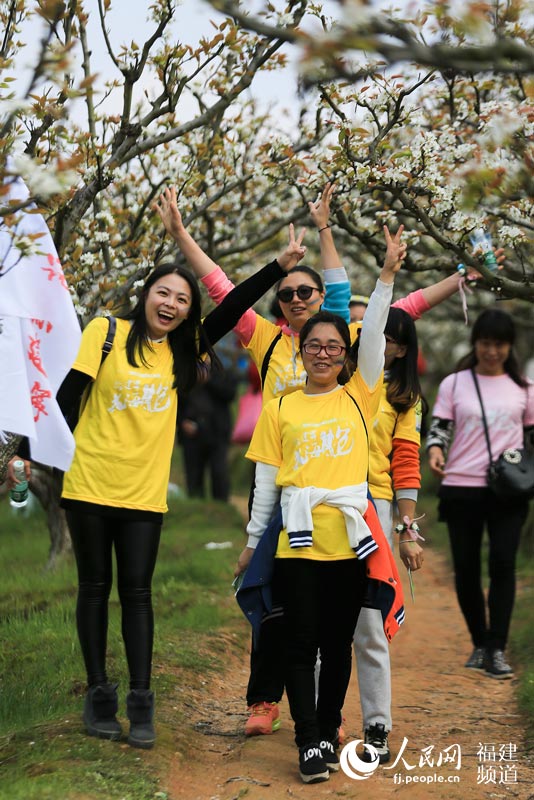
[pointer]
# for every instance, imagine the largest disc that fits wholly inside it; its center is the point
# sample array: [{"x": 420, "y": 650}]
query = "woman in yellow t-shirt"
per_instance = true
[
  {"x": 305, "y": 445},
  {"x": 115, "y": 492}
]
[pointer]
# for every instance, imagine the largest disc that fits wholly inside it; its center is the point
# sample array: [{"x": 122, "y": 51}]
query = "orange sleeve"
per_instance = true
[{"x": 405, "y": 465}]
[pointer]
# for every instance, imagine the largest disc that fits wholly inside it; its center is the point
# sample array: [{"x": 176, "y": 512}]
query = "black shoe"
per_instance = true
[
  {"x": 377, "y": 736},
  {"x": 328, "y": 752},
  {"x": 496, "y": 665},
  {"x": 313, "y": 767},
  {"x": 100, "y": 707},
  {"x": 140, "y": 710},
  {"x": 476, "y": 659}
]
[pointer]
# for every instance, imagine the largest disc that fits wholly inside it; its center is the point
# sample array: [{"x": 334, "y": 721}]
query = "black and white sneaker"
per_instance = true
[
  {"x": 496, "y": 665},
  {"x": 476, "y": 659},
  {"x": 377, "y": 736},
  {"x": 313, "y": 767},
  {"x": 328, "y": 752}
]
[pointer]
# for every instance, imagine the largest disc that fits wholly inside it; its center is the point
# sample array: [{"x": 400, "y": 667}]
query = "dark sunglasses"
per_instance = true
[{"x": 303, "y": 293}]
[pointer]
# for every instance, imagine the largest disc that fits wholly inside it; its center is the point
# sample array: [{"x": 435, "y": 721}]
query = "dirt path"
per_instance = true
[{"x": 439, "y": 709}]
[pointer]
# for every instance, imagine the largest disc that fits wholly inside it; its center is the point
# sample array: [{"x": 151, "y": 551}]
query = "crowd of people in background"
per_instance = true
[{"x": 334, "y": 423}]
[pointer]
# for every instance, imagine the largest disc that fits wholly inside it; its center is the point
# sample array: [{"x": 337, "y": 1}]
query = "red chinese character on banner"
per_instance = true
[
  {"x": 52, "y": 273},
  {"x": 38, "y": 396},
  {"x": 42, "y": 324},
  {"x": 34, "y": 354}
]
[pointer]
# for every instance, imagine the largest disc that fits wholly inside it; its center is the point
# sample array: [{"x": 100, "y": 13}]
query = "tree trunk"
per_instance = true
[{"x": 46, "y": 486}]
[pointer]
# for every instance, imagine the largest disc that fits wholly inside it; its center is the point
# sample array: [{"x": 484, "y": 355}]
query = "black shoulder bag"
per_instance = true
[{"x": 512, "y": 474}]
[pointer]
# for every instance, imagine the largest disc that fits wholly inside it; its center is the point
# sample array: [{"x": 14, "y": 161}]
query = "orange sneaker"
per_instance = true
[
  {"x": 341, "y": 737},
  {"x": 264, "y": 718}
]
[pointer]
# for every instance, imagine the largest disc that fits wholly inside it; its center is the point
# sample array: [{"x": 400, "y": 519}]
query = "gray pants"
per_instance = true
[{"x": 371, "y": 649}]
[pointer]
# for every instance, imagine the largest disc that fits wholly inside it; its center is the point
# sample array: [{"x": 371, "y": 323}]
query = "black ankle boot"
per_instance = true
[
  {"x": 100, "y": 707},
  {"x": 140, "y": 711}
]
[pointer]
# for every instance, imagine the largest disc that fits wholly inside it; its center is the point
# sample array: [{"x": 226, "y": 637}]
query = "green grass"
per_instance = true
[{"x": 43, "y": 752}]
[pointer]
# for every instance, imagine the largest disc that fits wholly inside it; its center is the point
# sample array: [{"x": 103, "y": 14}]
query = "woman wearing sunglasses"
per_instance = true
[
  {"x": 300, "y": 293},
  {"x": 275, "y": 351},
  {"x": 306, "y": 445}
]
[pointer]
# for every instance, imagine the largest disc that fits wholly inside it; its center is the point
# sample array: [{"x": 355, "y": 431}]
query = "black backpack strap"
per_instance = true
[
  {"x": 361, "y": 415},
  {"x": 365, "y": 428},
  {"x": 267, "y": 358},
  {"x": 110, "y": 336}
]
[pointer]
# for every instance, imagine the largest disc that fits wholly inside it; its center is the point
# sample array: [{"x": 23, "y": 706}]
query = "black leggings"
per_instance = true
[
  {"x": 136, "y": 549},
  {"x": 467, "y": 512},
  {"x": 321, "y": 600}
]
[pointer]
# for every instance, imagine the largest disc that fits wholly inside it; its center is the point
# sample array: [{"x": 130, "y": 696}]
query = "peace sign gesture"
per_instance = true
[
  {"x": 294, "y": 251},
  {"x": 395, "y": 254},
  {"x": 320, "y": 209}
]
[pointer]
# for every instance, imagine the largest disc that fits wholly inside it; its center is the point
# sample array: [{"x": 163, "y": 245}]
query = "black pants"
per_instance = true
[
  {"x": 321, "y": 600},
  {"x": 136, "y": 548},
  {"x": 266, "y": 680},
  {"x": 200, "y": 456},
  {"x": 467, "y": 512}
]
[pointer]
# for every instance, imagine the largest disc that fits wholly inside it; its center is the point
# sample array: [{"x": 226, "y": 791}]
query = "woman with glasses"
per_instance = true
[
  {"x": 311, "y": 454},
  {"x": 275, "y": 351}
]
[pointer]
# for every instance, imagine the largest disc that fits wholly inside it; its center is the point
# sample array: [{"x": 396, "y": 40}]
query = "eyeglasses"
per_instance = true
[
  {"x": 303, "y": 293},
  {"x": 314, "y": 348}
]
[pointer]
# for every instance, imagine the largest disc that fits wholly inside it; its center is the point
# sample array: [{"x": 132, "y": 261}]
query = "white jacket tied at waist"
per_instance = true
[{"x": 298, "y": 504}]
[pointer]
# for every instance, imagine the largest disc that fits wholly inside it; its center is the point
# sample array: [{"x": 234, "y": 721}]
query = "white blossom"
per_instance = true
[
  {"x": 106, "y": 217},
  {"x": 509, "y": 234},
  {"x": 285, "y": 19},
  {"x": 27, "y": 246},
  {"x": 43, "y": 180}
]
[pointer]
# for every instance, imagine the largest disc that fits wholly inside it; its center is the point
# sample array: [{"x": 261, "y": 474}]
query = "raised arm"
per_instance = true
[
  {"x": 167, "y": 208},
  {"x": 320, "y": 214},
  {"x": 371, "y": 348},
  {"x": 337, "y": 284},
  {"x": 199, "y": 261},
  {"x": 436, "y": 293}
]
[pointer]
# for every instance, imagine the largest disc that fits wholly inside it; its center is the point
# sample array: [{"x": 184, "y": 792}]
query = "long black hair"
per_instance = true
[
  {"x": 493, "y": 323},
  {"x": 342, "y": 328},
  {"x": 403, "y": 386},
  {"x": 188, "y": 342}
]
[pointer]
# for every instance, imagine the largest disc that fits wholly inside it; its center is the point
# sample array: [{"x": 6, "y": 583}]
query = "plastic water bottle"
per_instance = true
[
  {"x": 481, "y": 241},
  {"x": 18, "y": 496}
]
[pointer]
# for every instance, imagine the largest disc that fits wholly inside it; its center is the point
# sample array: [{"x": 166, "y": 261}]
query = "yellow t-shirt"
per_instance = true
[
  {"x": 286, "y": 371},
  {"x": 318, "y": 440},
  {"x": 125, "y": 435},
  {"x": 387, "y": 425}
]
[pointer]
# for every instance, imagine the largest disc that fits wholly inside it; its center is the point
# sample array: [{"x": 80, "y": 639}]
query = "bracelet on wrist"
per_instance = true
[
  {"x": 323, "y": 228},
  {"x": 410, "y": 528},
  {"x": 402, "y": 527}
]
